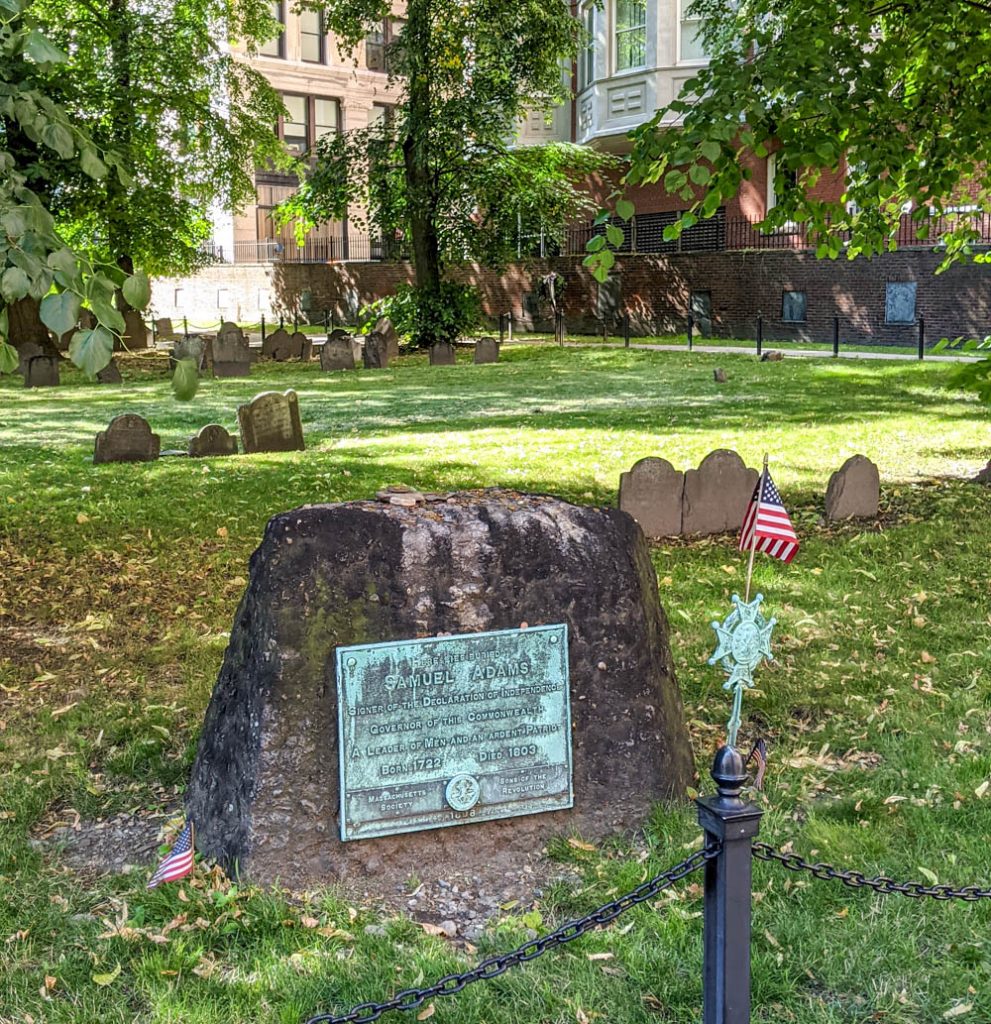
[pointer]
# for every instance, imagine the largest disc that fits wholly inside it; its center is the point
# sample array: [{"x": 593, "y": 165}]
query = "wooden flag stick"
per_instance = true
[{"x": 753, "y": 539}]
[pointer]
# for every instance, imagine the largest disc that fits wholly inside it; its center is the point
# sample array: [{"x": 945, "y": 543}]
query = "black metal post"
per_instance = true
[
  {"x": 605, "y": 332},
  {"x": 154, "y": 333},
  {"x": 922, "y": 337},
  {"x": 836, "y": 336},
  {"x": 281, "y": 322},
  {"x": 760, "y": 335},
  {"x": 729, "y": 820},
  {"x": 691, "y": 329},
  {"x": 185, "y": 327},
  {"x": 626, "y": 330},
  {"x": 295, "y": 323},
  {"x": 263, "y": 328},
  {"x": 502, "y": 328}
]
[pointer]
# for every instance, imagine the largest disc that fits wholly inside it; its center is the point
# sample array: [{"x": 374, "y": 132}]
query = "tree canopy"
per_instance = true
[
  {"x": 40, "y": 143},
  {"x": 442, "y": 172},
  {"x": 892, "y": 94}
]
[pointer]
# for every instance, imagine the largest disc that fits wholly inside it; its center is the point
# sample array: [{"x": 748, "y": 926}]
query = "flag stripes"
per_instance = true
[
  {"x": 179, "y": 862},
  {"x": 766, "y": 517}
]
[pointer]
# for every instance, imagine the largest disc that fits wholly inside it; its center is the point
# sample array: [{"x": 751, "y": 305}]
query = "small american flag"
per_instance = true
[
  {"x": 766, "y": 517},
  {"x": 759, "y": 754},
  {"x": 179, "y": 862}
]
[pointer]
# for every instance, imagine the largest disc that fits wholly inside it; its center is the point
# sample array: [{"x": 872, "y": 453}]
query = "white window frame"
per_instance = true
[
  {"x": 586, "y": 58},
  {"x": 616, "y": 32},
  {"x": 683, "y": 16},
  {"x": 771, "y": 199}
]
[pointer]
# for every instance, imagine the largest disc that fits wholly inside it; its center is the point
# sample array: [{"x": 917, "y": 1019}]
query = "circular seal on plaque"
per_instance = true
[{"x": 462, "y": 792}]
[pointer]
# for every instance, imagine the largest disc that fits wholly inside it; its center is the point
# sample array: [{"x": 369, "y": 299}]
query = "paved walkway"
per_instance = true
[{"x": 802, "y": 353}]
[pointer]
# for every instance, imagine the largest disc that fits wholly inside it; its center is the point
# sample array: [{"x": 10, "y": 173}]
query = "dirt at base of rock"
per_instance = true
[{"x": 459, "y": 906}]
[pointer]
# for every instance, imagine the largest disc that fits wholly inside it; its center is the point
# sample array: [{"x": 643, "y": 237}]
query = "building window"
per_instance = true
[
  {"x": 308, "y": 119},
  {"x": 375, "y": 44},
  {"x": 312, "y": 37},
  {"x": 692, "y": 48},
  {"x": 779, "y": 181},
  {"x": 223, "y": 298},
  {"x": 793, "y": 307},
  {"x": 380, "y": 115},
  {"x": 631, "y": 34},
  {"x": 586, "y": 59},
  {"x": 899, "y": 302},
  {"x": 179, "y": 298},
  {"x": 276, "y": 47}
]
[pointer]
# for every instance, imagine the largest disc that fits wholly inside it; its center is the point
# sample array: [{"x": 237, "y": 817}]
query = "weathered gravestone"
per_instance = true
[
  {"x": 42, "y": 372},
  {"x": 211, "y": 440},
  {"x": 28, "y": 351},
  {"x": 717, "y": 494},
  {"x": 337, "y": 353},
  {"x": 127, "y": 439},
  {"x": 854, "y": 490},
  {"x": 652, "y": 492},
  {"x": 110, "y": 374},
  {"x": 385, "y": 327},
  {"x": 135, "y": 334},
  {"x": 164, "y": 331},
  {"x": 375, "y": 354},
  {"x": 231, "y": 354},
  {"x": 270, "y": 423},
  {"x": 282, "y": 346},
  {"x": 188, "y": 348},
  {"x": 266, "y": 785},
  {"x": 486, "y": 350},
  {"x": 442, "y": 354}
]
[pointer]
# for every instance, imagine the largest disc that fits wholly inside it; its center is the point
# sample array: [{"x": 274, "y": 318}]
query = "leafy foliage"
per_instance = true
[
  {"x": 443, "y": 316},
  {"x": 893, "y": 96},
  {"x": 441, "y": 174},
  {"x": 188, "y": 117},
  {"x": 185, "y": 380},
  {"x": 41, "y": 143}
]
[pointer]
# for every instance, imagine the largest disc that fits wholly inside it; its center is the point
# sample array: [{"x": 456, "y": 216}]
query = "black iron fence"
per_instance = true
[{"x": 730, "y": 826}]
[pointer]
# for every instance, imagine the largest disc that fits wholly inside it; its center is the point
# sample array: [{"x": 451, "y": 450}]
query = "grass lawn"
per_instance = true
[{"x": 118, "y": 585}]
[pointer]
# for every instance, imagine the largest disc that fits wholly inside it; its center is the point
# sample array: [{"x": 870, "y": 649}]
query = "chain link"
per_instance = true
[
  {"x": 879, "y": 883},
  {"x": 450, "y": 984}
]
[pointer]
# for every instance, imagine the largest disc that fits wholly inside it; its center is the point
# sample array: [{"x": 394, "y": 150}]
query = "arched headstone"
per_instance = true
[
  {"x": 652, "y": 492},
  {"x": 376, "y": 352},
  {"x": 486, "y": 350},
  {"x": 854, "y": 490},
  {"x": 211, "y": 440},
  {"x": 337, "y": 353},
  {"x": 442, "y": 354},
  {"x": 717, "y": 494},
  {"x": 270, "y": 422},
  {"x": 128, "y": 438}
]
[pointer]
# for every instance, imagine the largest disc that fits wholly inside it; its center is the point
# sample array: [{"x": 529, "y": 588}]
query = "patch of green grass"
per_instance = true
[{"x": 118, "y": 585}]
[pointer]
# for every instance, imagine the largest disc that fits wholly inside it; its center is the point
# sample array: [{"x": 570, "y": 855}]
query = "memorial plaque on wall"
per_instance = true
[{"x": 453, "y": 730}]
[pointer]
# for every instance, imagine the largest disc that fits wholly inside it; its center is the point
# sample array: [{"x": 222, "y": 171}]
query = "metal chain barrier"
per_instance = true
[
  {"x": 879, "y": 883},
  {"x": 451, "y": 984}
]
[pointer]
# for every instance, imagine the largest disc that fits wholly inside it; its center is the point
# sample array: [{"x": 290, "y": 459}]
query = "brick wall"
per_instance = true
[{"x": 654, "y": 290}]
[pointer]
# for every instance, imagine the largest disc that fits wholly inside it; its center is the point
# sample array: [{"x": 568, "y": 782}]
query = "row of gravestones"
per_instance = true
[
  {"x": 714, "y": 498},
  {"x": 270, "y": 422}
]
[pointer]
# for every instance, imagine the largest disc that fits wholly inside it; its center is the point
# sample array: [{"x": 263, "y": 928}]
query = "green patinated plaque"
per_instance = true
[{"x": 453, "y": 730}]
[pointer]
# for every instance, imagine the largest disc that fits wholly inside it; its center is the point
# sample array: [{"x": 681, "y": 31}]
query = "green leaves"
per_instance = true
[
  {"x": 41, "y": 51},
  {"x": 614, "y": 236},
  {"x": 91, "y": 164},
  {"x": 14, "y": 284},
  {"x": 137, "y": 290},
  {"x": 56, "y": 136},
  {"x": 60, "y": 312},
  {"x": 185, "y": 380},
  {"x": 625, "y": 209},
  {"x": 92, "y": 350},
  {"x": 8, "y": 358}
]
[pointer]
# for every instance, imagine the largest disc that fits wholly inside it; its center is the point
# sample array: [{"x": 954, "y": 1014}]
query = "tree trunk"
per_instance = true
[
  {"x": 25, "y": 326},
  {"x": 420, "y": 185}
]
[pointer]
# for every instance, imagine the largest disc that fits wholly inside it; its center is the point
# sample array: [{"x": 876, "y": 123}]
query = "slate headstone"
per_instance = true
[
  {"x": 28, "y": 351},
  {"x": 279, "y": 346},
  {"x": 652, "y": 492},
  {"x": 442, "y": 354},
  {"x": 270, "y": 422},
  {"x": 188, "y": 348},
  {"x": 135, "y": 330},
  {"x": 302, "y": 347},
  {"x": 337, "y": 353},
  {"x": 164, "y": 331},
  {"x": 265, "y": 788},
  {"x": 212, "y": 439},
  {"x": 486, "y": 350},
  {"x": 854, "y": 490},
  {"x": 42, "y": 372},
  {"x": 128, "y": 438},
  {"x": 376, "y": 352},
  {"x": 385, "y": 327},
  {"x": 231, "y": 354},
  {"x": 717, "y": 494},
  {"x": 110, "y": 374}
]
